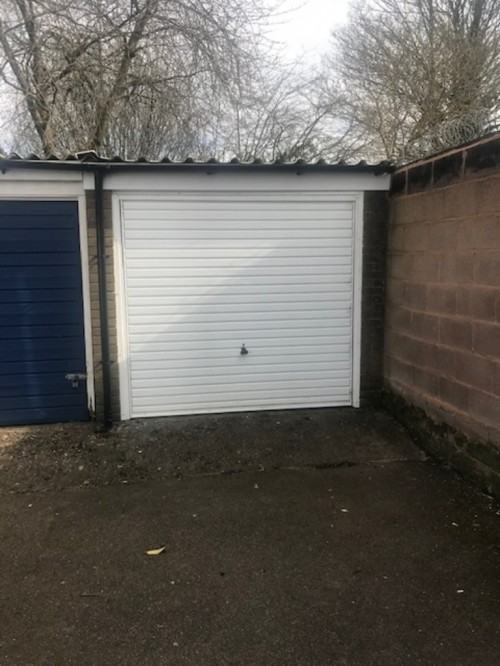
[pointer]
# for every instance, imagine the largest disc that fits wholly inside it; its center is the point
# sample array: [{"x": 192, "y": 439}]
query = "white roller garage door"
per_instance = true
[{"x": 204, "y": 276}]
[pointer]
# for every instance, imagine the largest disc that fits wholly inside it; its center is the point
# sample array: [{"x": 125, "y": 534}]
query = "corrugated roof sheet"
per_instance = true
[{"x": 92, "y": 158}]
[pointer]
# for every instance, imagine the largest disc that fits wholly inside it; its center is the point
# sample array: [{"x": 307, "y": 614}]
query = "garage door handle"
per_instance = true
[
  {"x": 75, "y": 378},
  {"x": 244, "y": 350}
]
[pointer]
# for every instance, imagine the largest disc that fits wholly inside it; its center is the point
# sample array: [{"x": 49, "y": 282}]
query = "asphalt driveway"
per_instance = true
[{"x": 349, "y": 559}]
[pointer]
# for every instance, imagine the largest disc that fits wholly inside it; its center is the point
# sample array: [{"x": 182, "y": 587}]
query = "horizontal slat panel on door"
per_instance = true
[
  {"x": 244, "y": 282},
  {"x": 265, "y": 346},
  {"x": 198, "y": 370},
  {"x": 294, "y": 219},
  {"x": 204, "y": 275},
  {"x": 232, "y": 340},
  {"x": 266, "y": 379},
  {"x": 212, "y": 254},
  {"x": 38, "y": 295},
  {"x": 141, "y": 236},
  {"x": 28, "y": 332},
  {"x": 204, "y": 362},
  {"x": 269, "y": 350},
  {"x": 247, "y": 309},
  {"x": 31, "y": 414},
  {"x": 36, "y": 259},
  {"x": 251, "y": 261},
  {"x": 195, "y": 244},
  {"x": 253, "y": 203},
  {"x": 231, "y": 290}
]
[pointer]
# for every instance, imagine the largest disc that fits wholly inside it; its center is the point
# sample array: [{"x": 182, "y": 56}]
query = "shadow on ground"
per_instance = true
[{"x": 52, "y": 457}]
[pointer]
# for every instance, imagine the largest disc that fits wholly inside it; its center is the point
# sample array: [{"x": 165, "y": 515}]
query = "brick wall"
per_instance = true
[
  {"x": 442, "y": 340},
  {"x": 373, "y": 295},
  {"x": 94, "y": 296}
]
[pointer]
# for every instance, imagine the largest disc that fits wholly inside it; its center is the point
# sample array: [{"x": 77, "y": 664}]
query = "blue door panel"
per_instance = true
[
  {"x": 40, "y": 349},
  {"x": 33, "y": 284},
  {"x": 37, "y": 210},
  {"x": 36, "y": 259},
  {"x": 65, "y": 236},
  {"x": 27, "y": 221},
  {"x": 28, "y": 332},
  {"x": 49, "y": 319},
  {"x": 41, "y": 314},
  {"x": 38, "y": 400},
  {"x": 61, "y": 308},
  {"x": 38, "y": 295},
  {"x": 35, "y": 246},
  {"x": 20, "y": 275},
  {"x": 43, "y": 365},
  {"x": 34, "y": 415},
  {"x": 50, "y": 382}
]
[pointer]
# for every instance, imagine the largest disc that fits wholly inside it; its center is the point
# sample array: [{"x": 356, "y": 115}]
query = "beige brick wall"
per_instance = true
[
  {"x": 94, "y": 300},
  {"x": 442, "y": 337}
]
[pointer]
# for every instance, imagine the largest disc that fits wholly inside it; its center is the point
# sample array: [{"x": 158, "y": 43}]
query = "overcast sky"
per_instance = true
[
  {"x": 308, "y": 28},
  {"x": 303, "y": 29}
]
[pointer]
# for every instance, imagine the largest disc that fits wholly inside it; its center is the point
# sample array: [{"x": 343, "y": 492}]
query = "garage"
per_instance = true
[
  {"x": 237, "y": 301},
  {"x": 207, "y": 287},
  {"x": 42, "y": 346}
]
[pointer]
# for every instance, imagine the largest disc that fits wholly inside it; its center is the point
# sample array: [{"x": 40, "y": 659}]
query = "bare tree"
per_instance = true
[
  {"x": 120, "y": 74},
  {"x": 279, "y": 113},
  {"x": 406, "y": 69}
]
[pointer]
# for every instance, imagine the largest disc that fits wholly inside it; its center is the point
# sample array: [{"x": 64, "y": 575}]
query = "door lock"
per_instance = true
[{"x": 75, "y": 378}]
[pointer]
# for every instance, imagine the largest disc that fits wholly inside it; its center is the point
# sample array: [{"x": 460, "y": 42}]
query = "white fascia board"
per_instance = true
[
  {"x": 43, "y": 175},
  {"x": 40, "y": 184},
  {"x": 223, "y": 181}
]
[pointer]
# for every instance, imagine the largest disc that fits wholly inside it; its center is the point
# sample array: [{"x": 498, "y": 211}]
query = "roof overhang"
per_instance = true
[{"x": 86, "y": 164}]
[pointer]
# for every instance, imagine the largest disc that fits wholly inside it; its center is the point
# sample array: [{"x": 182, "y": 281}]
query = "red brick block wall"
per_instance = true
[{"x": 442, "y": 332}]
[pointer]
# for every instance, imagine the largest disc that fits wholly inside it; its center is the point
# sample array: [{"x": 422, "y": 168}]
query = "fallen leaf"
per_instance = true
[
  {"x": 156, "y": 551},
  {"x": 460, "y": 591}
]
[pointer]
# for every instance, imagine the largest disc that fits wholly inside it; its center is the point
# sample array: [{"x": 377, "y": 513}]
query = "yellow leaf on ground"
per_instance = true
[{"x": 156, "y": 551}]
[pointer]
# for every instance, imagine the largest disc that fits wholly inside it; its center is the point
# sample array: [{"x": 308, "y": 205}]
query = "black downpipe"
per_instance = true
[{"x": 103, "y": 298}]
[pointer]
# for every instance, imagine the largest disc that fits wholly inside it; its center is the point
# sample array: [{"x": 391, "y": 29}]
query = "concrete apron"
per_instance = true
[{"x": 385, "y": 558}]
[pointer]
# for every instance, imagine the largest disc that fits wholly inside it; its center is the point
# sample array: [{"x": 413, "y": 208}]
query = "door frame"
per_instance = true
[{"x": 326, "y": 196}]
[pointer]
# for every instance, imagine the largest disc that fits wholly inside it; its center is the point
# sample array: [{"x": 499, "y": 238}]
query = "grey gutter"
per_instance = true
[{"x": 103, "y": 298}]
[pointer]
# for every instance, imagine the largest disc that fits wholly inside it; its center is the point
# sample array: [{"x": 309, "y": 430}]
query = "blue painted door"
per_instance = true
[{"x": 41, "y": 313}]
